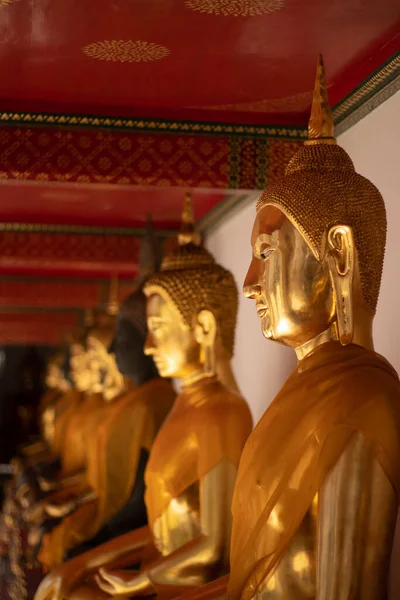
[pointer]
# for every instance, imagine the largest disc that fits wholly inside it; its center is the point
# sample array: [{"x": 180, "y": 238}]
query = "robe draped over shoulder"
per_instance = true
[{"x": 332, "y": 393}]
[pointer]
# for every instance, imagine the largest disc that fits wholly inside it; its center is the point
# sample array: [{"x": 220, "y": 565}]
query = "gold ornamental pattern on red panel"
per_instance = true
[
  {"x": 110, "y": 157},
  {"x": 161, "y": 156},
  {"x": 66, "y": 252},
  {"x": 235, "y": 8},
  {"x": 125, "y": 51}
]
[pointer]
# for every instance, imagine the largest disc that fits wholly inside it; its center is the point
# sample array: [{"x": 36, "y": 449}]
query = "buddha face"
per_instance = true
[
  {"x": 170, "y": 341},
  {"x": 80, "y": 370},
  {"x": 106, "y": 379},
  {"x": 54, "y": 375},
  {"x": 292, "y": 289}
]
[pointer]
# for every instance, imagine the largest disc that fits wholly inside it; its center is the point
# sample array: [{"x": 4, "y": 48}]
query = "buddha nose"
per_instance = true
[
  {"x": 251, "y": 287},
  {"x": 149, "y": 345}
]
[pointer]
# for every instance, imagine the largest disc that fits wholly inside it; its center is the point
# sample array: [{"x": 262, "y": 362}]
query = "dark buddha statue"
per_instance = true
[
  {"x": 139, "y": 369},
  {"x": 120, "y": 429}
]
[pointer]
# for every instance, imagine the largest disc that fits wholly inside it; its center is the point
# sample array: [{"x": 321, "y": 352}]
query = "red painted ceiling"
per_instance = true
[
  {"x": 100, "y": 204},
  {"x": 225, "y": 68},
  {"x": 210, "y": 67}
]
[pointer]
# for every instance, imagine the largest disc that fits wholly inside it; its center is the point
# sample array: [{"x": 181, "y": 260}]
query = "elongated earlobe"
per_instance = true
[
  {"x": 205, "y": 333},
  {"x": 340, "y": 256}
]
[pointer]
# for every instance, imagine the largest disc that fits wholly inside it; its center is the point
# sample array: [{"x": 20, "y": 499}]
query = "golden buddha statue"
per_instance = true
[
  {"x": 40, "y": 461},
  {"x": 191, "y": 315},
  {"x": 315, "y": 503},
  {"x": 96, "y": 372},
  {"x": 57, "y": 385},
  {"x": 109, "y": 439},
  {"x": 43, "y": 481}
]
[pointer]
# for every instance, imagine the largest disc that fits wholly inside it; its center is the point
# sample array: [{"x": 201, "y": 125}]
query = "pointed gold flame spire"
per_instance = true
[
  {"x": 320, "y": 126},
  {"x": 113, "y": 304},
  {"x": 188, "y": 233}
]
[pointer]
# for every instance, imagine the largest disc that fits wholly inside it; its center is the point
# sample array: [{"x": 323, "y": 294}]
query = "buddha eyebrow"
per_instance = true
[
  {"x": 264, "y": 238},
  {"x": 156, "y": 319}
]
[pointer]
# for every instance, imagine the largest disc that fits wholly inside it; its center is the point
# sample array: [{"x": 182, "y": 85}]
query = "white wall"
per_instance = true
[{"x": 261, "y": 366}]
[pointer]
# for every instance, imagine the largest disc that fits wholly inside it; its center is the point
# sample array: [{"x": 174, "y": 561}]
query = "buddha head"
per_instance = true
[
  {"x": 57, "y": 375},
  {"x": 81, "y": 375},
  {"x": 318, "y": 243},
  {"x": 191, "y": 309},
  {"x": 131, "y": 327},
  {"x": 129, "y": 340},
  {"x": 106, "y": 378}
]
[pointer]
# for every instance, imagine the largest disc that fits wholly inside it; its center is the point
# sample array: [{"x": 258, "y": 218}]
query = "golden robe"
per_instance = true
[
  {"x": 111, "y": 444},
  {"x": 206, "y": 425},
  {"x": 332, "y": 393},
  {"x": 64, "y": 410}
]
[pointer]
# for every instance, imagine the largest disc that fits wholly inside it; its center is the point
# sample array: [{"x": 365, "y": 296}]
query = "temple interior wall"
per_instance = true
[{"x": 260, "y": 366}]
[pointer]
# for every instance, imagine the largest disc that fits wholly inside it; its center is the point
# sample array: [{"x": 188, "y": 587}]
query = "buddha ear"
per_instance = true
[
  {"x": 205, "y": 332},
  {"x": 341, "y": 257}
]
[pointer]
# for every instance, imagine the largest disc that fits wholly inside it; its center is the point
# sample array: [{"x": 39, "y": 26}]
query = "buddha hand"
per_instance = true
[
  {"x": 124, "y": 582},
  {"x": 58, "y": 584},
  {"x": 50, "y": 588}
]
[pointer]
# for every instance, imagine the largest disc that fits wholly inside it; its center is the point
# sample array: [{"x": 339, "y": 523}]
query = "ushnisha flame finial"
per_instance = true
[
  {"x": 113, "y": 304},
  {"x": 320, "y": 125},
  {"x": 188, "y": 233}
]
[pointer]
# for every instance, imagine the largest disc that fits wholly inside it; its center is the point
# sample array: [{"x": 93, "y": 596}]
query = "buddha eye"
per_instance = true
[{"x": 266, "y": 253}]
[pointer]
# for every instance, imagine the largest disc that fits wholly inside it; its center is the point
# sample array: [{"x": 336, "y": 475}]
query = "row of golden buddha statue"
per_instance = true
[{"x": 305, "y": 506}]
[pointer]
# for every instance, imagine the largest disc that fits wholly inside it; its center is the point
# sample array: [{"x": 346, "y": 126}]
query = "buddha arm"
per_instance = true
[
  {"x": 61, "y": 483},
  {"x": 194, "y": 563},
  {"x": 357, "y": 512},
  {"x": 62, "y": 580},
  {"x": 65, "y": 508}
]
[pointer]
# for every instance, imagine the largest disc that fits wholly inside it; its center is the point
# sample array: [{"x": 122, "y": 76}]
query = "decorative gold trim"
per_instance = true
[
  {"x": 368, "y": 106},
  {"x": 125, "y": 51},
  {"x": 82, "y": 230},
  {"x": 235, "y": 8},
  {"x": 368, "y": 87},
  {"x": 4, "y": 3},
  {"x": 154, "y": 125},
  {"x": 363, "y": 94}
]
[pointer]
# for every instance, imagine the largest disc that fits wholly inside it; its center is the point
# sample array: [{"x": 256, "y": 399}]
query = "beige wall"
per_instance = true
[{"x": 261, "y": 366}]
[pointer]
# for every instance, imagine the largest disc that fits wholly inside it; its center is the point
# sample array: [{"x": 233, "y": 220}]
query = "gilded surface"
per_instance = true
[
  {"x": 326, "y": 170},
  {"x": 235, "y": 8},
  {"x": 192, "y": 280},
  {"x": 125, "y": 51},
  {"x": 373, "y": 85},
  {"x": 318, "y": 520},
  {"x": 143, "y": 125},
  {"x": 193, "y": 462}
]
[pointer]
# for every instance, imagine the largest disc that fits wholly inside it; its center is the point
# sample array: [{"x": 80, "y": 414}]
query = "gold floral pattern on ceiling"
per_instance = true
[
  {"x": 235, "y": 8},
  {"x": 125, "y": 51}
]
